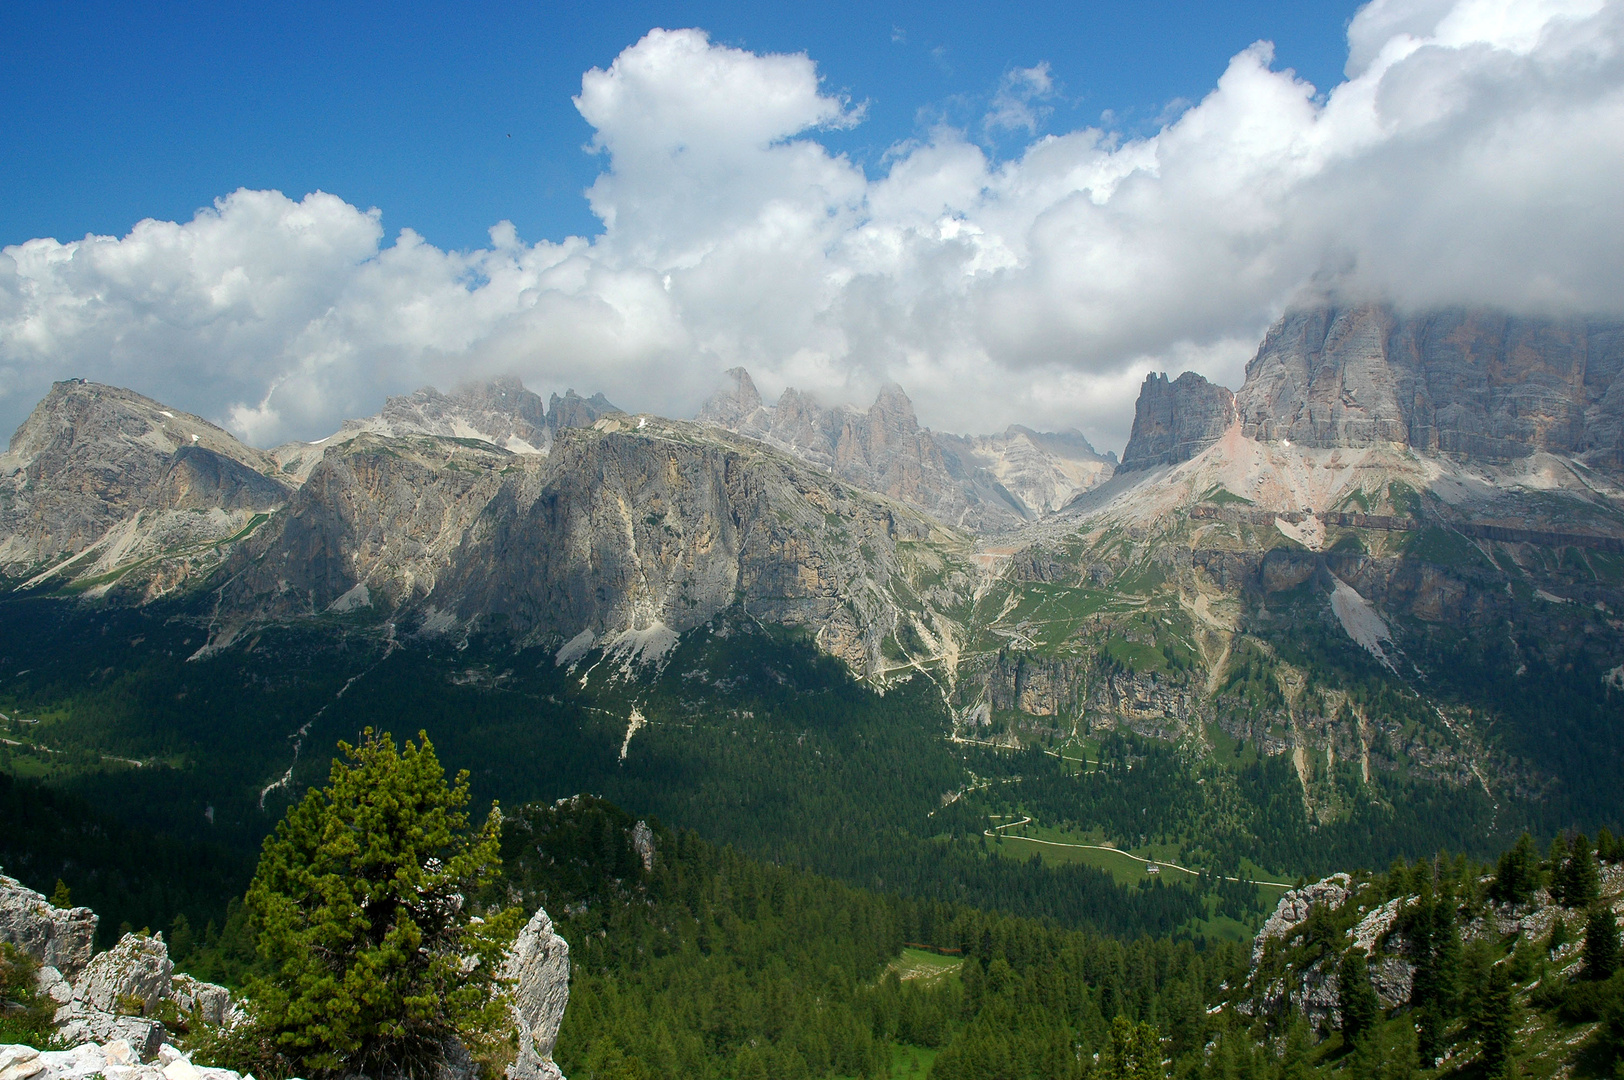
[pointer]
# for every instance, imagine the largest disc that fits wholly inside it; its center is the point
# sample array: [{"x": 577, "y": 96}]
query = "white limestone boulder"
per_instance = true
[
  {"x": 538, "y": 965},
  {"x": 62, "y": 938}
]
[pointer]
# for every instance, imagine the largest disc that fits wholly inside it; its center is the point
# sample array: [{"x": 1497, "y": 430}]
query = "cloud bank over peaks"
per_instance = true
[{"x": 1470, "y": 157}]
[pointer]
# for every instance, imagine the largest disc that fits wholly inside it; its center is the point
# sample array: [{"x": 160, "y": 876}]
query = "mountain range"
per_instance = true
[{"x": 1368, "y": 566}]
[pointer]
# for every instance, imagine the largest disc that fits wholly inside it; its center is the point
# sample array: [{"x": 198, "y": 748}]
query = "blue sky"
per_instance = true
[
  {"x": 452, "y": 117},
  {"x": 276, "y": 216}
]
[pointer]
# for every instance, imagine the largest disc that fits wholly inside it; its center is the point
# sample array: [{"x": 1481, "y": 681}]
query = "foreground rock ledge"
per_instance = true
[{"x": 94, "y": 993}]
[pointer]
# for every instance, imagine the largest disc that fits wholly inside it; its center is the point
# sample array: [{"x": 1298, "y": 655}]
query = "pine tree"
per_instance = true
[
  {"x": 1580, "y": 882},
  {"x": 375, "y": 963},
  {"x": 1134, "y": 1052},
  {"x": 1299, "y": 1041},
  {"x": 1601, "y": 944},
  {"x": 1400, "y": 1057},
  {"x": 1360, "y": 1009},
  {"x": 1495, "y": 1022},
  {"x": 1606, "y": 846},
  {"x": 60, "y": 896},
  {"x": 1517, "y": 874},
  {"x": 1435, "y": 940}
]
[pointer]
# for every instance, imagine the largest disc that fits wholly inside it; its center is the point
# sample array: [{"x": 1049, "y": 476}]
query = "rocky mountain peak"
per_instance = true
[
  {"x": 573, "y": 410},
  {"x": 896, "y": 408},
  {"x": 89, "y": 456},
  {"x": 1479, "y": 384},
  {"x": 1174, "y": 421},
  {"x": 984, "y": 483},
  {"x": 735, "y": 405}
]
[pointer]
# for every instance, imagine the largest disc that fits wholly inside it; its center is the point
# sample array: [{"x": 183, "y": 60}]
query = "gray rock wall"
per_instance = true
[
  {"x": 539, "y": 967},
  {"x": 60, "y": 938},
  {"x": 1481, "y": 384},
  {"x": 1174, "y": 421}
]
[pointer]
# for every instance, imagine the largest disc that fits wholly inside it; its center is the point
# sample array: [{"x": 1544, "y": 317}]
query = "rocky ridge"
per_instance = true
[
  {"x": 1294, "y": 968},
  {"x": 985, "y": 484},
  {"x": 110, "y": 1005},
  {"x": 1480, "y": 384},
  {"x": 98, "y": 477},
  {"x": 501, "y": 412},
  {"x": 1130, "y": 607},
  {"x": 627, "y": 534}
]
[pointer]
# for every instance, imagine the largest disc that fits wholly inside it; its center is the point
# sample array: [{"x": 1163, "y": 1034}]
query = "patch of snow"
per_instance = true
[
  {"x": 573, "y": 649},
  {"x": 1360, "y": 621},
  {"x": 357, "y": 597},
  {"x": 167, "y": 413},
  {"x": 1551, "y": 598}
]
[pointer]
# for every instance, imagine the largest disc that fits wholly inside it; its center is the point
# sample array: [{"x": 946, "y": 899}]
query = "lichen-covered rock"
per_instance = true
[
  {"x": 62, "y": 938},
  {"x": 539, "y": 966},
  {"x": 210, "y": 1002},
  {"x": 1293, "y": 909},
  {"x": 1376, "y": 925},
  {"x": 1393, "y": 979},
  {"x": 49, "y": 981},
  {"x": 1318, "y": 996},
  {"x": 117, "y": 993},
  {"x": 137, "y": 972},
  {"x": 643, "y": 844}
]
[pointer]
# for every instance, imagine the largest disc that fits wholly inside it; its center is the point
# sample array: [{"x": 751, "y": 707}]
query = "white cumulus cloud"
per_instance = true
[{"x": 1469, "y": 157}]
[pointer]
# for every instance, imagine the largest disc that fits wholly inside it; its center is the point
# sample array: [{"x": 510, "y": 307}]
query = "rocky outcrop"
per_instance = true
[
  {"x": 1481, "y": 384},
  {"x": 122, "y": 991},
  {"x": 1295, "y": 906},
  {"x": 1174, "y": 421},
  {"x": 136, "y": 973},
  {"x": 90, "y": 456},
  {"x": 114, "y": 1059},
  {"x": 110, "y": 1013},
  {"x": 62, "y": 939},
  {"x": 500, "y": 412},
  {"x": 539, "y": 966},
  {"x": 101, "y": 997},
  {"x": 983, "y": 483},
  {"x": 628, "y": 528}
]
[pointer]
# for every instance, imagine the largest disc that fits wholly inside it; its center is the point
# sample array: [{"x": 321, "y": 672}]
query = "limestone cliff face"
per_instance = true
[
  {"x": 630, "y": 531},
  {"x": 91, "y": 456},
  {"x": 986, "y": 484},
  {"x": 373, "y": 526},
  {"x": 1480, "y": 384},
  {"x": 1174, "y": 421}
]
